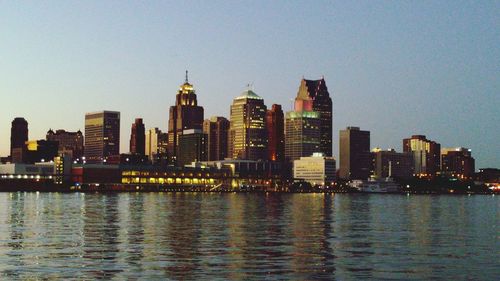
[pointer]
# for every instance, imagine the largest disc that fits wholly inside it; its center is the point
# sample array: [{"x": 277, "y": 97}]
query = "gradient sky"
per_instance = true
[{"x": 395, "y": 68}]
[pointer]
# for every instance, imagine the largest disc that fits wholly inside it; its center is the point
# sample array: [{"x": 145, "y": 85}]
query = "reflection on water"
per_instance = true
[{"x": 248, "y": 236}]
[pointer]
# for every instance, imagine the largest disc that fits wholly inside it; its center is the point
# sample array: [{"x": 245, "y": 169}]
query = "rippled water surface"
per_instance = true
[{"x": 248, "y": 236}]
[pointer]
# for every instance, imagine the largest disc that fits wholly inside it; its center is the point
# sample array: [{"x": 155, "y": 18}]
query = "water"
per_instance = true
[{"x": 194, "y": 236}]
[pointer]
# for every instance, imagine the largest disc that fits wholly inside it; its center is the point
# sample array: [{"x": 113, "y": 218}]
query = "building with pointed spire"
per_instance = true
[
  {"x": 302, "y": 129},
  {"x": 322, "y": 103},
  {"x": 247, "y": 131},
  {"x": 184, "y": 115}
]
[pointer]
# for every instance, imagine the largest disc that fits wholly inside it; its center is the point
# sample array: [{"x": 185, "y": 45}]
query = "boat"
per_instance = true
[
  {"x": 374, "y": 185},
  {"x": 377, "y": 185}
]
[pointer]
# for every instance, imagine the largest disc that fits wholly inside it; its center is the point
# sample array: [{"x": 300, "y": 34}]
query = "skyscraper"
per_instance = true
[
  {"x": 247, "y": 132},
  {"x": 302, "y": 129},
  {"x": 216, "y": 129},
  {"x": 322, "y": 103},
  {"x": 426, "y": 155},
  {"x": 70, "y": 143},
  {"x": 151, "y": 143},
  {"x": 138, "y": 137},
  {"x": 275, "y": 124},
  {"x": 18, "y": 133},
  {"x": 185, "y": 115},
  {"x": 355, "y": 160},
  {"x": 192, "y": 147},
  {"x": 102, "y": 135}
]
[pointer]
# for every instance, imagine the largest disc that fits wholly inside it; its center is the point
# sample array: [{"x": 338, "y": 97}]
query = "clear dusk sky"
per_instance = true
[{"x": 395, "y": 68}]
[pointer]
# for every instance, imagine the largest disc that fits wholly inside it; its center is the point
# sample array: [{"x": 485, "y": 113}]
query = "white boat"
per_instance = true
[
  {"x": 377, "y": 185},
  {"x": 372, "y": 185}
]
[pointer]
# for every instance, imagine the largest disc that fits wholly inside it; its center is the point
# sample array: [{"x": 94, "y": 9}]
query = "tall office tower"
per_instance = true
[
  {"x": 192, "y": 147},
  {"x": 70, "y": 143},
  {"x": 355, "y": 160},
  {"x": 275, "y": 124},
  {"x": 247, "y": 131},
  {"x": 216, "y": 128},
  {"x": 138, "y": 137},
  {"x": 387, "y": 163},
  {"x": 151, "y": 145},
  {"x": 457, "y": 163},
  {"x": 102, "y": 135},
  {"x": 322, "y": 103},
  {"x": 426, "y": 155},
  {"x": 18, "y": 133},
  {"x": 185, "y": 115},
  {"x": 302, "y": 129}
]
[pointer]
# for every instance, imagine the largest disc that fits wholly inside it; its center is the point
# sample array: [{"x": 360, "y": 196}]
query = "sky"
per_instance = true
[{"x": 395, "y": 68}]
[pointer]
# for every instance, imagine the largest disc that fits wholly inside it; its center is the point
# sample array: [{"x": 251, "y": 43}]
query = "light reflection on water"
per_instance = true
[{"x": 248, "y": 236}]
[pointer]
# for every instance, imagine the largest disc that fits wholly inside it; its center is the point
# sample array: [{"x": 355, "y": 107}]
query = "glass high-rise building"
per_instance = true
[
  {"x": 184, "y": 115},
  {"x": 247, "y": 132},
  {"x": 322, "y": 103},
  {"x": 102, "y": 135}
]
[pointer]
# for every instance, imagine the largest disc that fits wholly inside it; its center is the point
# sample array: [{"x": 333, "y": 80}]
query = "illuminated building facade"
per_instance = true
[
  {"x": 247, "y": 132},
  {"x": 322, "y": 103},
  {"x": 185, "y": 115},
  {"x": 316, "y": 169},
  {"x": 426, "y": 155},
  {"x": 354, "y": 154},
  {"x": 216, "y": 128},
  {"x": 302, "y": 129},
  {"x": 18, "y": 133},
  {"x": 457, "y": 163},
  {"x": 70, "y": 143},
  {"x": 275, "y": 124},
  {"x": 102, "y": 136},
  {"x": 138, "y": 137}
]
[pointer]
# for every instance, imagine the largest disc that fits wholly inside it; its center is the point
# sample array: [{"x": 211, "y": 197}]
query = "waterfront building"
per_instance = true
[
  {"x": 18, "y": 134},
  {"x": 184, "y": 115},
  {"x": 354, "y": 152},
  {"x": 387, "y": 163},
  {"x": 192, "y": 147},
  {"x": 302, "y": 129},
  {"x": 247, "y": 131},
  {"x": 457, "y": 163},
  {"x": 102, "y": 135},
  {"x": 316, "y": 169},
  {"x": 216, "y": 128},
  {"x": 322, "y": 103},
  {"x": 275, "y": 125},
  {"x": 426, "y": 155},
  {"x": 138, "y": 137},
  {"x": 70, "y": 143}
]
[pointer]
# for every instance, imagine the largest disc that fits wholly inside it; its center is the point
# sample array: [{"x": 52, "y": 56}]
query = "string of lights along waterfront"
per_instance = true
[{"x": 258, "y": 148}]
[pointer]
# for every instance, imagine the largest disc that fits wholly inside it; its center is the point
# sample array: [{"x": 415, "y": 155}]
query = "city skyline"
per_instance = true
[{"x": 443, "y": 83}]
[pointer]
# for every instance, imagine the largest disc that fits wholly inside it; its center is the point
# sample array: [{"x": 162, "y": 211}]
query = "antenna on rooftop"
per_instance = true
[{"x": 187, "y": 76}]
